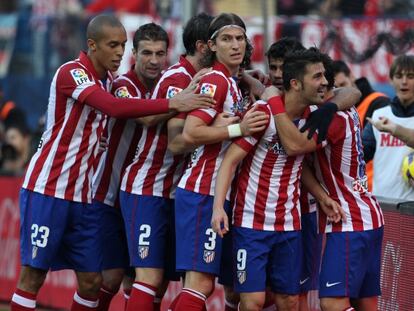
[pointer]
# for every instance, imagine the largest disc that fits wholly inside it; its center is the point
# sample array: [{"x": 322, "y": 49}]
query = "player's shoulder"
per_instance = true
[{"x": 73, "y": 72}]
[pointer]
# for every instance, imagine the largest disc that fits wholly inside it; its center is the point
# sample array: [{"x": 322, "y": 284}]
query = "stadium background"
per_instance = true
[{"x": 34, "y": 43}]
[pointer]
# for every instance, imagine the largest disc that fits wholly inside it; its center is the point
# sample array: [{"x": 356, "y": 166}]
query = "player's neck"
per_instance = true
[
  {"x": 195, "y": 61},
  {"x": 294, "y": 105},
  {"x": 148, "y": 83}
]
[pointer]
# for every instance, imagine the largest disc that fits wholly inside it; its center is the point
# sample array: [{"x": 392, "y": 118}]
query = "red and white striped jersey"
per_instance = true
[
  {"x": 155, "y": 170},
  {"x": 62, "y": 167},
  {"x": 123, "y": 137},
  {"x": 340, "y": 167},
  {"x": 268, "y": 185},
  {"x": 203, "y": 165},
  {"x": 308, "y": 203}
]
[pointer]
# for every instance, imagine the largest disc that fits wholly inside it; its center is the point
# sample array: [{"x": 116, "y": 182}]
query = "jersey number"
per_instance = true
[
  {"x": 241, "y": 259},
  {"x": 43, "y": 231},
  {"x": 211, "y": 244},
  {"x": 145, "y": 233}
]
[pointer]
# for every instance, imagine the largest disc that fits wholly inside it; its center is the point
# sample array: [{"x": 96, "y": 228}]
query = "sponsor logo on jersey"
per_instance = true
[
  {"x": 241, "y": 276},
  {"x": 208, "y": 89},
  {"x": 208, "y": 256},
  {"x": 79, "y": 76},
  {"x": 172, "y": 91},
  {"x": 122, "y": 92},
  {"x": 275, "y": 146},
  {"x": 143, "y": 251}
]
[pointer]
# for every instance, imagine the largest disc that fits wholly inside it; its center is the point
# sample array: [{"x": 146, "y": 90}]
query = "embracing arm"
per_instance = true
[{"x": 234, "y": 155}]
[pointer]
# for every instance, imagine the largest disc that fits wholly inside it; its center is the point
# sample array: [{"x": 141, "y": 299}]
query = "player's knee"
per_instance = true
[
  {"x": 287, "y": 302},
  {"x": 231, "y": 296},
  {"x": 89, "y": 283},
  {"x": 251, "y": 304},
  {"x": 31, "y": 279},
  {"x": 112, "y": 279}
]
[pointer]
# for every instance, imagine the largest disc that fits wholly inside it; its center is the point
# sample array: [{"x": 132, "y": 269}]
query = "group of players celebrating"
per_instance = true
[{"x": 200, "y": 171}]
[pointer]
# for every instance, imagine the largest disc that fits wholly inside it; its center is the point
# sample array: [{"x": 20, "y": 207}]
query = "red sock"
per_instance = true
[
  {"x": 191, "y": 300},
  {"x": 157, "y": 303},
  {"x": 127, "y": 294},
  {"x": 23, "y": 301},
  {"x": 105, "y": 298},
  {"x": 228, "y": 306},
  {"x": 142, "y": 297},
  {"x": 83, "y": 304}
]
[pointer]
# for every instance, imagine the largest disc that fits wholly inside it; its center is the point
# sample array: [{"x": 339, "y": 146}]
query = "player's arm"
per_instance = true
[
  {"x": 330, "y": 207},
  {"x": 384, "y": 124},
  {"x": 234, "y": 155},
  {"x": 176, "y": 142},
  {"x": 134, "y": 108},
  {"x": 197, "y": 132}
]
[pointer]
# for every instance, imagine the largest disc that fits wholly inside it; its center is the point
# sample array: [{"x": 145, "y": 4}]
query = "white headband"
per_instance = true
[{"x": 225, "y": 27}]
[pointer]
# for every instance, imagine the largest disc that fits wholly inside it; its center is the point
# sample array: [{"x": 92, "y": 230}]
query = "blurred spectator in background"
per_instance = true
[
  {"x": 44, "y": 15},
  {"x": 121, "y": 6},
  {"x": 16, "y": 150},
  {"x": 8, "y": 6},
  {"x": 387, "y": 151},
  {"x": 340, "y": 8}
]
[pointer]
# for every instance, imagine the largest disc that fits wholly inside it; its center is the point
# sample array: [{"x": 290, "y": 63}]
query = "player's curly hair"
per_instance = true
[{"x": 218, "y": 22}]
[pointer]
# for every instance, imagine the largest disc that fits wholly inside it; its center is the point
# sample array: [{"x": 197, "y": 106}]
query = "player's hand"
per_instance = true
[
  {"x": 225, "y": 119},
  {"x": 333, "y": 210},
  {"x": 384, "y": 125},
  {"x": 186, "y": 101},
  {"x": 319, "y": 120},
  {"x": 259, "y": 75},
  {"x": 220, "y": 221},
  {"x": 270, "y": 92},
  {"x": 253, "y": 121},
  {"x": 197, "y": 77}
]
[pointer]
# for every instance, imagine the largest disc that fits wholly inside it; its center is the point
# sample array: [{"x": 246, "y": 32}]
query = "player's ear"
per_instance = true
[
  {"x": 296, "y": 84},
  {"x": 212, "y": 45},
  {"x": 91, "y": 45}
]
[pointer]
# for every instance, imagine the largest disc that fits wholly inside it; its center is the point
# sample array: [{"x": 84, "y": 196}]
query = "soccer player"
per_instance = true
[
  {"x": 150, "y": 45},
  {"x": 266, "y": 224},
  {"x": 350, "y": 272},
  {"x": 59, "y": 227},
  {"x": 198, "y": 246},
  {"x": 149, "y": 182}
]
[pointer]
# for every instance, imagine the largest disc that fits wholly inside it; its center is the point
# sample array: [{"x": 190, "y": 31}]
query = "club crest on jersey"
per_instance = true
[
  {"x": 34, "y": 252},
  {"x": 122, "y": 92},
  {"x": 208, "y": 89},
  {"x": 172, "y": 91},
  {"x": 360, "y": 185},
  {"x": 208, "y": 256},
  {"x": 275, "y": 146},
  {"x": 240, "y": 107},
  {"x": 80, "y": 76},
  {"x": 143, "y": 251},
  {"x": 241, "y": 276}
]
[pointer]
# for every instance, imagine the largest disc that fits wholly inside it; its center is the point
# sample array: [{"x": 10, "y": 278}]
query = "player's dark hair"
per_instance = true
[
  {"x": 294, "y": 65},
  {"x": 152, "y": 32},
  {"x": 94, "y": 30},
  {"x": 195, "y": 30},
  {"x": 339, "y": 66},
  {"x": 402, "y": 63},
  {"x": 279, "y": 49},
  {"x": 220, "y": 21}
]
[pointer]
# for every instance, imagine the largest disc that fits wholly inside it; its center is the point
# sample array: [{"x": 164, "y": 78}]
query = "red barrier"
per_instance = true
[{"x": 397, "y": 271}]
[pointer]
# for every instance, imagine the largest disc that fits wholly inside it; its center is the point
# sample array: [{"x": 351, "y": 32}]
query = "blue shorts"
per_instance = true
[
  {"x": 267, "y": 258},
  {"x": 351, "y": 264},
  {"x": 59, "y": 234},
  {"x": 149, "y": 226},
  {"x": 114, "y": 243},
  {"x": 312, "y": 251},
  {"x": 198, "y": 246}
]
